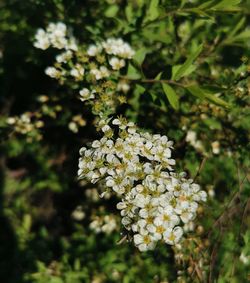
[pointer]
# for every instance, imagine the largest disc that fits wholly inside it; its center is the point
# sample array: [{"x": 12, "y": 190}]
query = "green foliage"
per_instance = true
[{"x": 189, "y": 79}]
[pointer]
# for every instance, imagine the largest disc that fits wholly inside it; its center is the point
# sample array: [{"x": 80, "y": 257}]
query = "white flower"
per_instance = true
[
  {"x": 244, "y": 259},
  {"x": 94, "y": 50},
  {"x": 167, "y": 216},
  {"x": 64, "y": 57},
  {"x": 77, "y": 71},
  {"x": 41, "y": 40},
  {"x": 215, "y": 147},
  {"x": 104, "y": 72},
  {"x": 57, "y": 35},
  {"x": 191, "y": 137},
  {"x": 123, "y": 86},
  {"x": 11, "y": 120},
  {"x": 116, "y": 63},
  {"x": 85, "y": 94},
  {"x": 73, "y": 127},
  {"x": 173, "y": 236},
  {"x": 52, "y": 72},
  {"x": 78, "y": 214},
  {"x": 144, "y": 242},
  {"x": 118, "y": 47}
]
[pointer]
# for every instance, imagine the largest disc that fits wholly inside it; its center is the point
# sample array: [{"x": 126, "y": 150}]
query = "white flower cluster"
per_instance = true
[
  {"x": 112, "y": 46},
  {"x": 106, "y": 224},
  {"x": 138, "y": 168},
  {"x": 91, "y": 66},
  {"x": 55, "y": 35},
  {"x": 27, "y": 124}
]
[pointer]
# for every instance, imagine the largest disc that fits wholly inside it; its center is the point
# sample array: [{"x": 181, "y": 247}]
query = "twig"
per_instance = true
[
  {"x": 212, "y": 262},
  {"x": 153, "y": 81},
  {"x": 200, "y": 168}
]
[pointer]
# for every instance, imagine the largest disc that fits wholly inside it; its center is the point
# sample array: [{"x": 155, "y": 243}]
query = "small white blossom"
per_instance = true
[
  {"x": 94, "y": 50},
  {"x": 41, "y": 40},
  {"x": 52, "y": 72},
  {"x": 116, "y": 63}
]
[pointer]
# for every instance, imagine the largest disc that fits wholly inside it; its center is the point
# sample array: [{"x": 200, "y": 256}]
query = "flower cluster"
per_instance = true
[
  {"x": 32, "y": 124},
  {"x": 138, "y": 167},
  {"x": 55, "y": 36},
  {"x": 27, "y": 124},
  {"x": 94, "y": 69},
  {"x": 105, "y": 224}
]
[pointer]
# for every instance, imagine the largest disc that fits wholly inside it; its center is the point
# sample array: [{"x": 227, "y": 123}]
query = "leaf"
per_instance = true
[
  {"x": 158, "y": 77},
  {"x": 242, "y": 36},
  {"x": 186, "y": 65},
  {"x": 129, "y": 13},
  {"x": 111, "y": 11},
  {"x": 215, "y": 4},
  {"x": 237, "y": 27},
  {"x": 213, "y": 124},
  {"x": 133, "y": 72},
  {"x": 196, "y": 91},
  {"x": 153, "y": 36},
  {"x": 139, "y": 89},
  {"x": 153, "y": 11},
  {"x": 207, "y": 4},
  {"x": 204, "y": 93},
  {"x": 171, "y": 96},
  {"x": 227, "y": 4},
  {"x": 140, "y": 55},
  {"x": 216, "y": 100},
  {"x": 196, "y": 11},
  {"x": 189, "y": 70}
]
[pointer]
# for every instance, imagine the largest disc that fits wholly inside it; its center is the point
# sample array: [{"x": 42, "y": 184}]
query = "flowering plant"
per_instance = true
[{"x": 155, "y": 94}]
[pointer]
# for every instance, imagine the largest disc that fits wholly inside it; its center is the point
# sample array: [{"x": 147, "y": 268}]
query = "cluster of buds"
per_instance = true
[
  {"x": 93, "y": 69},
  {"x": 138, "y": 168}
]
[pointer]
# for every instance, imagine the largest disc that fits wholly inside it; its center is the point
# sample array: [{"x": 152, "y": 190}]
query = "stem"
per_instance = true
[{"x": 154, "y": 81}]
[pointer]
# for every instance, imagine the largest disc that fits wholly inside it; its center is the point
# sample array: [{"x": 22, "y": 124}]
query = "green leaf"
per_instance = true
[
  {"x": 216, "y": 100},
  {"x": 140, "y": 55},
  {"x": 158, "y": 37},
  {"x": 213, "y": 124},
  {"x": 153, "y": 11},
  {"x": 171, "y": 96},
  {"x": 111, "y": 11},
  {"x": 241, "y": 36},
  {"x": 158, "y": 77},
  {"x": 215, "y": 4},
  {"x": 189, "y": 70},
  {"x": 185, "y": 68},
  {"x": 139, "y": 89},
  {"x": 129, "y": 13},
  {"x": 204, "y": 93},
  {"x": 196, "y": 91},
  {"x": 226, "y": 4},
  {"x": 133, "y": 73},
  {"x": 207, "y": 4},
  {"x": 237, "y": 27}
]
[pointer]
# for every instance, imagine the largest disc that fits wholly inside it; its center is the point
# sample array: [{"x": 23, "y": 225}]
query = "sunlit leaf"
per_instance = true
[
  {"x": 171, "y": 96},
  {"x": 153, "y": 11}
]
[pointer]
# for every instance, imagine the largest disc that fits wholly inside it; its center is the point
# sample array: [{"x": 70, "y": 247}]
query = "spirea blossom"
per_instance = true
[
  {"x": 93, "y": 69},
  {"x": 55, "y": 36},
  {"x": 155, "y": 202}
]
